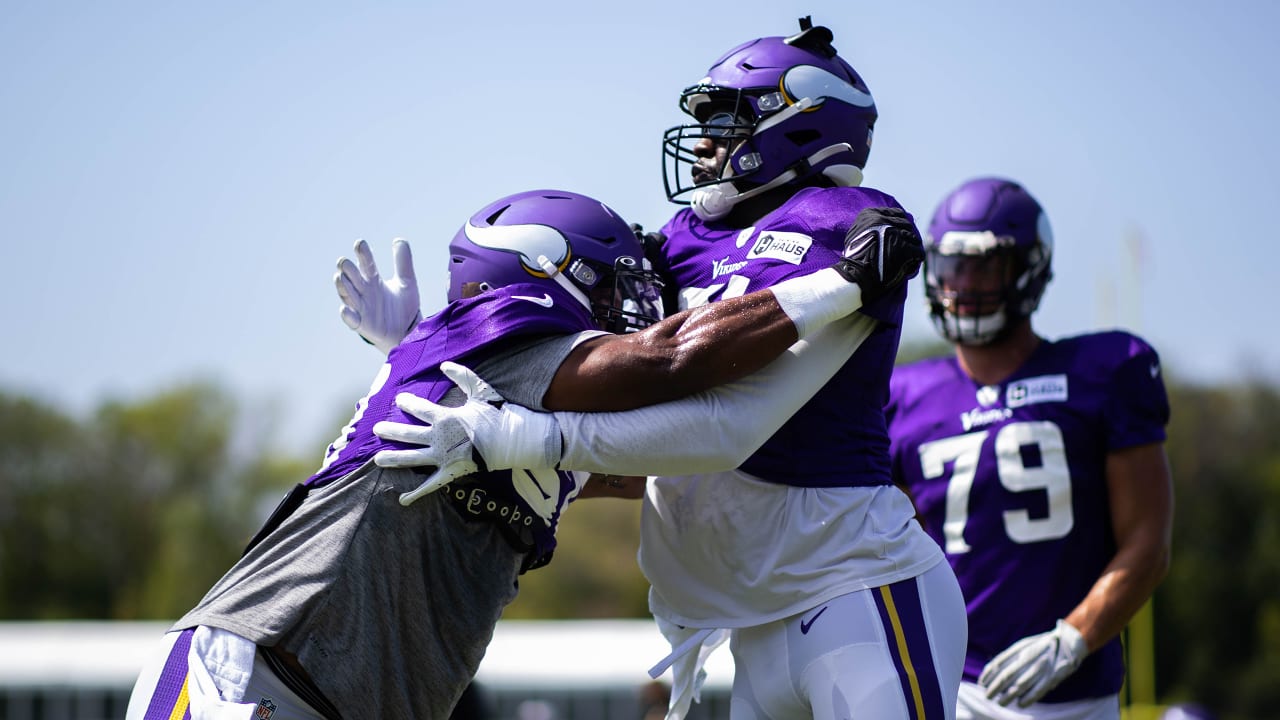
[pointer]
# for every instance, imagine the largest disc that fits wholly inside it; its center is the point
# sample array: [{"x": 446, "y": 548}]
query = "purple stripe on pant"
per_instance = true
[
  {"x": 904, "y": 626},
  {"x": 169, "y": 689}
]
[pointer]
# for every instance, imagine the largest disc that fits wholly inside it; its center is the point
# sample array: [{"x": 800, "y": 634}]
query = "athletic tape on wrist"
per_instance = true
[
  {"x": 813, "y": 300},
  {"x": 523, "y": 439}
]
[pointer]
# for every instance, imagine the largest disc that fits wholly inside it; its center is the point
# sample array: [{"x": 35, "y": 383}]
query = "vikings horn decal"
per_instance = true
[
  {"x": 807, "y": 81},
  {"x": 527, "y": 241}
]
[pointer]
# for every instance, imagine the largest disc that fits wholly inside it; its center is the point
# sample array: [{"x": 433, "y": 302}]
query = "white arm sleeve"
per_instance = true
[
  {"x": 813, "y": 300},
  {"x": 713, "y": 430}
]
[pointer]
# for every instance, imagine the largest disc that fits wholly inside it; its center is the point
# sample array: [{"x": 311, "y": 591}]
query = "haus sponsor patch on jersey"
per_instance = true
[
  {"x": 1045, "y": 388},
  {"x": 785, "y": 246}
]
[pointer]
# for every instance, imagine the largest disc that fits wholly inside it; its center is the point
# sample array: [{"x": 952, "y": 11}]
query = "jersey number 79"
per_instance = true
[{"x": 1052, "y": 476}]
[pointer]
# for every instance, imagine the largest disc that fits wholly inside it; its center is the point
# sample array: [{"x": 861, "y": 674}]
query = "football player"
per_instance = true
[
  {"x": 803, "y": 553},
  {"x": 1038, "y": 465},
  {"x": 366, "y": 595}
]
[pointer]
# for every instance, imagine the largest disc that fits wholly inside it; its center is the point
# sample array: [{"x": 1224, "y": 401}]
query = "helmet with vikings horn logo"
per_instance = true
[
  {"x": 558, "y": 237},
  {"x": 789, "y": 110}
]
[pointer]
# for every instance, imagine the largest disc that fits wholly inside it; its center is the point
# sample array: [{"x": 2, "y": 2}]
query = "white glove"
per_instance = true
[
  {"x": 484, "y": 433},
  {"x": 1034, "y": 665},
  {"x": 381, "y": 311}
]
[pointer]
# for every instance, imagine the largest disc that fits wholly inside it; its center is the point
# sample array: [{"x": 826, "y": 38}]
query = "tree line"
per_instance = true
[{"x": 133, "y": 511}]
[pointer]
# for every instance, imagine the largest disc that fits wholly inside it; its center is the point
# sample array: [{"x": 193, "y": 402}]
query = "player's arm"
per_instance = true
[
  {"x": 625, "y": 487},
  {"x": 713, "y": 430},
  {"x": 706, "y": 432},
  {"x": 715, "y": 344},
  {"x": 724, "y": 341},
  {"x": 683, "y": 354},
  {"x": 1140, "y": 488},
  {"x": 688, "y": 352}
]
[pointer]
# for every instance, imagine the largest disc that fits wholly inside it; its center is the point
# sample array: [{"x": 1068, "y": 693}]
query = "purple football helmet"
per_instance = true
[
  {"x": 987, "y": 260},
  {"x": 791, "y": 108},
  {"x": 561, "y": 237}
]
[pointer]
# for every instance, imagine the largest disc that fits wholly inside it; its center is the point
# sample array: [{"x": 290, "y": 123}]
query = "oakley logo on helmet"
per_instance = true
[{"x": 527, "y": 241}]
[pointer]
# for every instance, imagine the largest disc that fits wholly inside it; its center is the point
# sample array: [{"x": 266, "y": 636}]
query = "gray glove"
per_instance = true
[{"x": 1034, "y": 665}]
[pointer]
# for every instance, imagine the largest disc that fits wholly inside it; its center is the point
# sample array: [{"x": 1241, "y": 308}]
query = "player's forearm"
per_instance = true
[
  {"x": 622, "y": 487},
  {"x": 1140, "y": 493},
  {"x": 725, "y": 341},
  {"x": 1124, "y": 586},
  {"x": 720, "y": 343},
  {"x": 701, "y": 348},
  {"x": 685, "y": 354},
  {"x": 715, "y": 430}
]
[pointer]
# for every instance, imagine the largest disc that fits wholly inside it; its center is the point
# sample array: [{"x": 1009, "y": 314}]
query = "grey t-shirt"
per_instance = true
[{"x": 388, "y": 608}]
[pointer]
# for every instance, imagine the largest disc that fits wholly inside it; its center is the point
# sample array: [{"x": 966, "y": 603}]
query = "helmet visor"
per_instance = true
[{"x": 970, "y": 285}]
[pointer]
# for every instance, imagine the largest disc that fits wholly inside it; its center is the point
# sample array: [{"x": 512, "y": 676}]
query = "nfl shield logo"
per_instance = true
[
  {"x": 988, "y": 395},
  {"x": 265, "y": 710}
]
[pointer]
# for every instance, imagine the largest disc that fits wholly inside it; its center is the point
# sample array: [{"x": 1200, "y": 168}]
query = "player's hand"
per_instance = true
[
  {"x": 445, "y": 440},
  {"x": 1034, "y": 665},
  {"x": 381, "y": 311},
  {"x": 882, "y": 250},
  {"x": 484, "y": 433}
]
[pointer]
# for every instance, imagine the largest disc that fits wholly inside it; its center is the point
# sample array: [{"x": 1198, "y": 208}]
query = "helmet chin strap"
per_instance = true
[
  {"x": 716, "y": 201},
  {"x": 554, "y": 273}
]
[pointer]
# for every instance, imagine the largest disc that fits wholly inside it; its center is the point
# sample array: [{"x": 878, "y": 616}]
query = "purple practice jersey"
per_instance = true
[
  {"x": 466, "y": 331},
  {"x": 1010, "y": 480},
  {"x": 838, "y": 438}
]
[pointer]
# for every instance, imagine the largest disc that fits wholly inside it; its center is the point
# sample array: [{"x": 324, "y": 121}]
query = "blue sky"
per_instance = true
[{"x": 177, "y": 180}]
